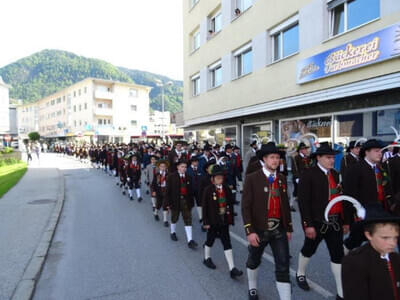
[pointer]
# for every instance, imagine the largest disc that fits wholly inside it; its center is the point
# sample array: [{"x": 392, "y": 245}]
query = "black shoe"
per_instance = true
[
  {"x": 236, "y": 202},
  {"x": 147, "y": 192},
  {"x": 156, "y": 217},
  {"x": 192, "y": 244},
  {"x": 131, "y": 198},
  {"x": 235, "y": 214},
  {"x": 209, "y": 263},
  {"x": 140, "y": 199},
  {"x": 166, "y": 224},
  {"x": 174, "y": 237},
  {"x": 153, "y": 208},
  {"x": 338, "y": 297},
  {"x": 117, "y": 183},
  {"x": 253, "y": 294},
  {"x": 292, "y": 209},
  {"x": 236, "y": 273},
  {"x": 123, "y": 193},
  {"x": 302, "y": 282},
  {"x": 200, "y": 221}
]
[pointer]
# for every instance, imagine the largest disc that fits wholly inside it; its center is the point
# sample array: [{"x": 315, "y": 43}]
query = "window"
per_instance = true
[
  {"x": 133, "y": 108},
  {"x": 215, "y": 24},
  {"x": 100, "y": 105},
  {"x": 79, "y": 92},
  {"x": 243, "y": 60},
  {"x": 215, "y": 71},
  {"x": 74, "y": 108},
  {"x": 59, "y": 100},
  {"x": 133, "y": 123},
  {"x": 100, "y": 121},
  {"x": 285, "y": 41},
  {"x": 133, "y": 93},
  {"x": 196, "y": 40},
  {"x": 74, "y": 93},
  {"x": 195, "y": 85},
  {"x": 75, "y": 123},
  {"x": 63, "y": 98},
  {"x": 85, "y": 105},
  {"x": 53, "y": 102},
  {"x": 80, "y": 107},
  {"x": 242, "y": 5},
  {"x": 348, "y": 14},
  {"x": 85, "y": 89}
]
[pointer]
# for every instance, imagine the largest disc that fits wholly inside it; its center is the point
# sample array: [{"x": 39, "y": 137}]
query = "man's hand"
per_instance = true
[
  {"x": 231, "y": 187},
  {"x": 253, "y": 239},
  {"x": 311, "y": 233},
  {"x": 346, "y": 229},
  {"x": 206, "y": 227},
  {"x": 289, "y": 236},
  {"x": 153, "y": 194}
]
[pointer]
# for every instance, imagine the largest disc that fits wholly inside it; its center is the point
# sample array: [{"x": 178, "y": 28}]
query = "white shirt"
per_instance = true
[
  {"x": 268, "y": 173},
  {"x": 301, "y": 154},
  {"x": 370, "y": 163},
  {"x": 355, "y": 156},
  {"x": 323, "y": 169}
]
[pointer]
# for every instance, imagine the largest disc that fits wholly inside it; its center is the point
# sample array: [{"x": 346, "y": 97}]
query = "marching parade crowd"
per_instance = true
[{"x": 355, "y": 210}]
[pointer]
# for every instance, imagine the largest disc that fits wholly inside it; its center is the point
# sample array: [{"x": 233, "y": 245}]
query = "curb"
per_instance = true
[{"x": 26, "y": 286}]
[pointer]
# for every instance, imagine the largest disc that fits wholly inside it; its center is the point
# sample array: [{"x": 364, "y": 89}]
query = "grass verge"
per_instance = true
[{"x": 10, "y": 175}]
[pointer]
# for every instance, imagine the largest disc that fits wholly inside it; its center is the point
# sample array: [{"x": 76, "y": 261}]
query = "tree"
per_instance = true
[{"x": 34, "y": 136}]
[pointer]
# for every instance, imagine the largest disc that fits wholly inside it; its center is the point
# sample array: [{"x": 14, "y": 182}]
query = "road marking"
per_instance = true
[{"x": 314, "y": 286}]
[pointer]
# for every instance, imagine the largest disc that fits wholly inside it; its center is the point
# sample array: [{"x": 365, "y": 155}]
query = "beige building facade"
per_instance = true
[
  {"x": 4, "y": 111},
  {"x": 92, "y": 110},
  {"x": 280, "y": 69}
]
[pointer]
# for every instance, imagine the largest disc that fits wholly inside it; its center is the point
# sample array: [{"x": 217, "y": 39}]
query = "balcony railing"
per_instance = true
[{"x": 103, "y": 95}]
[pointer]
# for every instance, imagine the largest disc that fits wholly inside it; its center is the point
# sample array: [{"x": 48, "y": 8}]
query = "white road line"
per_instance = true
[{"x": 314, "y": 286}]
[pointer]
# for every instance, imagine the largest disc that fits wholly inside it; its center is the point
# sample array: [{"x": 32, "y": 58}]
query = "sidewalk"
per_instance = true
[{"x": 28, "y": 216}]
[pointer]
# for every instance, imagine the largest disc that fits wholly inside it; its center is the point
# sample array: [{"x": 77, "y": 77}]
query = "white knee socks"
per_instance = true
[
  {"x": 165, "y": 215},
  {"x": 130, "y": 193},
  {"x": 153, "y": 201},
  {"x": 138, "y": 193},
  {"x": 188, "y": 230},
  {"x": 252, "y": 277},
  {"x": 207, "y": 252},
  {"x": 303, "y": 262},
  {"x": 337, "y": 273},
  {"x": 200, "y": 212},
  {"x": 284, "y": 290},
  {"x": 229, "y": 258},
  {"x": 173, "y": 228}
]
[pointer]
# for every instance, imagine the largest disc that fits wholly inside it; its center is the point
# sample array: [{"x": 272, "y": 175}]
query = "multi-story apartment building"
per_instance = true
[
  {"x": 92, "y": 110},
  {"x": 4, "y": 110},
  {"x": 279, "y": 69}
]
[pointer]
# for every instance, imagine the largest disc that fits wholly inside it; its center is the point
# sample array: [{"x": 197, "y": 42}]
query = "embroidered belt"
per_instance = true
[
  {"x": 273, "y": 224},
  {"x": 333, "y": 221}
]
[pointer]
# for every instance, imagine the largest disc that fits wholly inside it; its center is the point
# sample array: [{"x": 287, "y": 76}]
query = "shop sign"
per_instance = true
[{"x": 376, "y": 47}]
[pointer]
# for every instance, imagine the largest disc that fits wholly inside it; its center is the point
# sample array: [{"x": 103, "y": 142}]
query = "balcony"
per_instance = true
[
  {"x": 107, "y": 112},
  {"x": 103, "y": 95}
]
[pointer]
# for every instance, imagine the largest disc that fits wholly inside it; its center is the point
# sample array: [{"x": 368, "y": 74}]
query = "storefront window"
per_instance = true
[
  {"x": 295, "y": 129},
  {"x": 219, "y": 136},
  {"x": 384, "y": 120},
  {"x": 260, "y": 132},
  {"x": 350, "y": 125}
]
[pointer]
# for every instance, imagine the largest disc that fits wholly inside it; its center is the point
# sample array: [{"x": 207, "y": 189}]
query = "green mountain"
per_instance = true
[{"x": 48, "y": 71}]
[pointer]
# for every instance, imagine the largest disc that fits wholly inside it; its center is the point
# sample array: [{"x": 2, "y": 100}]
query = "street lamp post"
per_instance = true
[{"x": 162, "y": 85}]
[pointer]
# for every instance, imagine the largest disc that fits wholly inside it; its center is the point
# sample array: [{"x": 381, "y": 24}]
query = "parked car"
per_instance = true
[{"x": 14, "y": 144}]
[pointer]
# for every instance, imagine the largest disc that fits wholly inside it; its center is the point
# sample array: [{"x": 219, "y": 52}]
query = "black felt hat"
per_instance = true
[
  {"x": 325, "y": 149},
  {"x": 217, "y": 170},
  {"x": 268, "y": 148},
  {"x": 375, "y": 213}
]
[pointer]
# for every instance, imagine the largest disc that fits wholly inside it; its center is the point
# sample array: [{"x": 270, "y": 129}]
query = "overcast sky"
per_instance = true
[{"x": 137, "y": 34}]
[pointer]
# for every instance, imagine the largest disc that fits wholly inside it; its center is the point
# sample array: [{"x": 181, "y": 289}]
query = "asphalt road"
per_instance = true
[{"x": 107, "y": 247}]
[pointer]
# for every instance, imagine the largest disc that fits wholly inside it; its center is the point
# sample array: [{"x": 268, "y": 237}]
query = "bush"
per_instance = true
[
  {"x": 9, "y": 161},
  {"x": 7, "y": 150}
]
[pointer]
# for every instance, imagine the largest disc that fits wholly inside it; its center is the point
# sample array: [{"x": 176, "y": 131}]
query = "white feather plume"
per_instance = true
[{"x": 357, "y": 205}]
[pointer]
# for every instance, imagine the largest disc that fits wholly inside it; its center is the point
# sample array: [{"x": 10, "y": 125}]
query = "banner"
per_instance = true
[{"x": 373, "y": 48}]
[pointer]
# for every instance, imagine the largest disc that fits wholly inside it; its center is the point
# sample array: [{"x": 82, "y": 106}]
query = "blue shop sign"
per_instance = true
[{"x": 373, "y": 48}]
